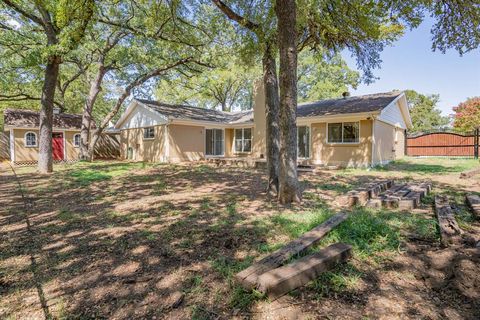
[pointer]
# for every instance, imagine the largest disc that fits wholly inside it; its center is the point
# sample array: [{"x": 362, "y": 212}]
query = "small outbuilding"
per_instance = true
[{"x": 22, "y": 128}]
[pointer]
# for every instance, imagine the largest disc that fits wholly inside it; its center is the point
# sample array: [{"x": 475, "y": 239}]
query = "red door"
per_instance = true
[{"x": 57, "y": 145}]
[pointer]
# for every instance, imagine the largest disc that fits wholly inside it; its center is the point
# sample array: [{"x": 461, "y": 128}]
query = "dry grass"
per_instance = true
[{"x": 116, "y": 240}]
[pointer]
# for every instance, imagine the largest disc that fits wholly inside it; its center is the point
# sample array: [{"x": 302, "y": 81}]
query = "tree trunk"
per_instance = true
[
  {"x": 95, "y": 88},
  {"x": 270, "y": 82},
  {"x": 45, "y": 159},
  {"x": 287, "y": 41}
]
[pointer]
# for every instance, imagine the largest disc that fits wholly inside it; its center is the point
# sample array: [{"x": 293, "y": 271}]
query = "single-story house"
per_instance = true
[
  {"x": 22, "y": 127},
  {"x": 351, "y": 131}
]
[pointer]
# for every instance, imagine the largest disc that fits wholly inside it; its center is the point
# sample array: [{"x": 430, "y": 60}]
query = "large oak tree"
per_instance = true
[{"x": 47, "y": 30}]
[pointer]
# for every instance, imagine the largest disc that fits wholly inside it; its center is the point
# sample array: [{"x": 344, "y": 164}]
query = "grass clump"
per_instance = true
[{"x": 342, "y": 278}]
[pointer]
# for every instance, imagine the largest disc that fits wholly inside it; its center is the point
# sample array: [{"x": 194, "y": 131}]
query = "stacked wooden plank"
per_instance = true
[
  {"x": 272, "y": 277},
  {"x": 402, "y": 196},
  {"x": 450, "y": 232},
  {"x": 370, "y": 191},
  {"x": 474, "y": 203}
]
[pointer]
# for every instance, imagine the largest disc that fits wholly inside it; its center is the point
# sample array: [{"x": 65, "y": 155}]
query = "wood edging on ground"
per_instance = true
[
  {"x": 473, "y": 202},
  {"x": 277, "y": 282},
  {"x": 248, "y": 278},
  {"x": 450, "y": 232},
  {"x": 470, "y": 173}
]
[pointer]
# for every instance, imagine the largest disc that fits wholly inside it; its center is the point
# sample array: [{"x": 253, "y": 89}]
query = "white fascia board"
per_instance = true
[
  {"x": 125, "y": 114},
  {"x": 344, "y": 117},
  {"x": 405, "y": 110},
  {"x": 210, "y": 124}
]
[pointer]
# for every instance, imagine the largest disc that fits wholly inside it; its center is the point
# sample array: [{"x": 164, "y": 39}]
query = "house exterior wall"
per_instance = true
[
  {"x": 151, "y": 150},
  {"x": 384, "y": 146},
  {"x": 72, "y": 152},
  {"x": 229, "y": 136},
  {"x": 348, "y": 154},
  {"x": 186, "y": 143},
  {"x": 259, "y": 119},
  {"x": 28, "y": 154},
  {"x": 399, "y": 143}
]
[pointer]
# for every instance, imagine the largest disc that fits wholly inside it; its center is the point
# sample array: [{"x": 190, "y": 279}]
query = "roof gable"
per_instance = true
[
  {"x": 396, "y": 113},
  {"x": 140, "y": 116}
]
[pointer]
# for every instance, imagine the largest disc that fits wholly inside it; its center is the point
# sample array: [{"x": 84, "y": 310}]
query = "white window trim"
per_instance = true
[
  {"x": 243, "y": 138},
  {"x": 343, "y": 143},
  {"x": 25, "y": 140},
  {"x": 223, "y": 146},
  {"x": 309, "y": 141},
  {"x": 153, "y": 138},
  {"x": 79, "y": 141}
]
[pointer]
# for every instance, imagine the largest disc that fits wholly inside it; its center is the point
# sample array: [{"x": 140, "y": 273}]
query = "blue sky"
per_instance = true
[{"x": 411, "y": 64}]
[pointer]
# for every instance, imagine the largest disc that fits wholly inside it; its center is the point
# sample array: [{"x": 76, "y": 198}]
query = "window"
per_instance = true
[
  {"x": 30, "y": 139},
  {"x": 243, "y": 140},
  {"x": 214, "y": 142},
  {"x": 303, "y": 142},
  {"x": 344, "y": 132},
  {"x": 76, "y": 140},
  {"x": 149, "y": 133}
]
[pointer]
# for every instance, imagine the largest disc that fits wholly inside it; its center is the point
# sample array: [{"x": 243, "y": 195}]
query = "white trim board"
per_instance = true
[{"x": 12, "y": 146}]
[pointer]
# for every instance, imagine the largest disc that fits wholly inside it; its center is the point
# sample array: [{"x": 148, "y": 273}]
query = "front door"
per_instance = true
[{"x": 57, "y": 145}]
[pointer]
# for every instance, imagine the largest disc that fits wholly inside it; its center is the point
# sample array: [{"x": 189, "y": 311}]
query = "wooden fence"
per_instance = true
[
  {"x": 4, "y": 146},
  {"x": 443, "y": 144}
]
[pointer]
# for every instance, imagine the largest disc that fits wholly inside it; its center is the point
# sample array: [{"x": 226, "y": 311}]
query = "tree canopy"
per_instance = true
[
  {"x": 467, "y": 115},
  {"x": 424, "y": 112}
]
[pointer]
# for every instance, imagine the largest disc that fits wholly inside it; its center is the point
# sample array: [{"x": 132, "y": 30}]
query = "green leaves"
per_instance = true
[{"x": 424, "y": 112}]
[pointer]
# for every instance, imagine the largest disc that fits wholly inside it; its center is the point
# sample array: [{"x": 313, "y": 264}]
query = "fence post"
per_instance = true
[
  {"x": 405, "y": 144},
  {"x": 476, "y": 140}
]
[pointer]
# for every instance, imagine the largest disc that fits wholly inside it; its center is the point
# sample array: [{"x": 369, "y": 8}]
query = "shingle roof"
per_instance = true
[
  {"x": 31, "y": 119},
  {"x": 201, "y": 114},
  {"x": 356, "y": 104}
]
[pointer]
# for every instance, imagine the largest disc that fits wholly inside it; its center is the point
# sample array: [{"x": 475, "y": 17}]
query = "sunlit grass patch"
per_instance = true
[
  {"x": 344, "y": 277},
  {"x": 296, "y": 224},
  {"x": 238, "y": 298}
]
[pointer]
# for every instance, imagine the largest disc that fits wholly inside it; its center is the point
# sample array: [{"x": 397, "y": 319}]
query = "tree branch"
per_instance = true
[
  {"x": 24, "y": 13},
  {"x": 232, "y": 15}
]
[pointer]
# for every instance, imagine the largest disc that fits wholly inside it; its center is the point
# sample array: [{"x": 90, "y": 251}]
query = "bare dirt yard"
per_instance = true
[{"x": 116, "y": 240}]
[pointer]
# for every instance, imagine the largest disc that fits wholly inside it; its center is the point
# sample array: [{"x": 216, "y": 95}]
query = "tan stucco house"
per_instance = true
[
  {"x": 352, "y": 131},
  {"x": 22, "y": 128}
]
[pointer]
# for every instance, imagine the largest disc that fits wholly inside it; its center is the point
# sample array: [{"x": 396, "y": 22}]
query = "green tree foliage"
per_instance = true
[
  {"x": 467, "y": 115},
  {"x": 320, "y": 78},
  {"x": 228, "y": 85},
  {"x": 424, "y": 112}
]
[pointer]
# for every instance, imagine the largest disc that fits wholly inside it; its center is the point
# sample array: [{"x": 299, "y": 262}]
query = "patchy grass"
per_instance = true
[
  {"x": 428, "y": 166},
  {"x": 134, "y": 233}
]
